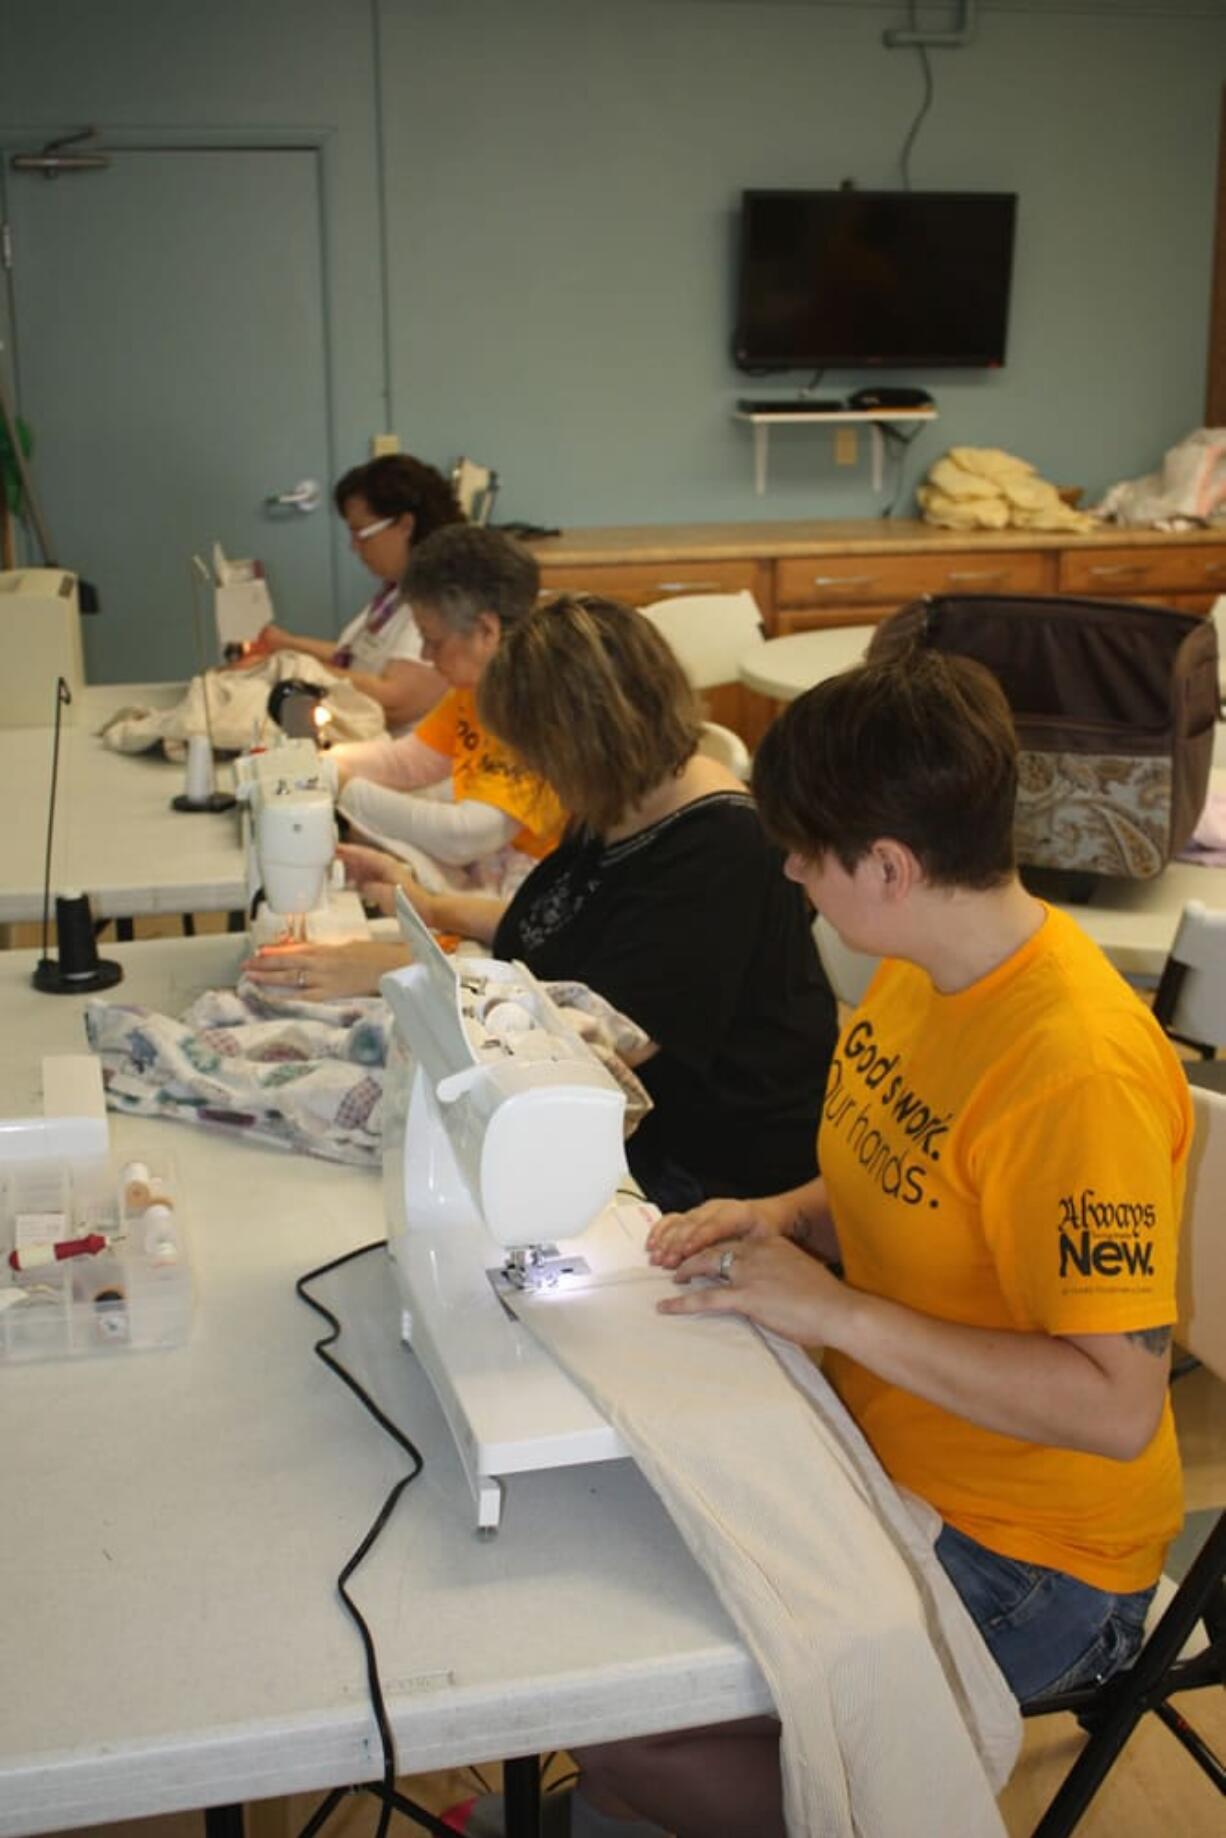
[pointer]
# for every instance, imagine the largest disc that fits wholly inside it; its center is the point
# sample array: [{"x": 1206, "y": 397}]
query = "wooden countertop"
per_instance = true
[{"x": 679, "y": 542}]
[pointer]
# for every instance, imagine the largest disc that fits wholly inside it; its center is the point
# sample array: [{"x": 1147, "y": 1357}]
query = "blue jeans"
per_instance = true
[{"x": 1046, "y": 1631}]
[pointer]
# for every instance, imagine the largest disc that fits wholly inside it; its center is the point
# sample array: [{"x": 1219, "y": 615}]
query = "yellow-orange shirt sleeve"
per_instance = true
[
  {"x": 438, "y": 728},
  {"x": 1081, "y": 1194}
]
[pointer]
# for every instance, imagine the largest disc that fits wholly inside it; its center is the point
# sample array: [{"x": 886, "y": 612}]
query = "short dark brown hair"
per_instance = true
[
  {"x": 464, "y": 571},
  {"x": 919, "y": 747},
  {"x": 590, "y": 696},
  {"x": 396, "y": 485}
]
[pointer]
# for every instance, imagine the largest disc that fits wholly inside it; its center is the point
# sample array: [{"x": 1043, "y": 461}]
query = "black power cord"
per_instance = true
[
  {"x": 899, "y": 442},
  {"x": 925, "y": 105},
  {"x": 390, "y": 1800}
]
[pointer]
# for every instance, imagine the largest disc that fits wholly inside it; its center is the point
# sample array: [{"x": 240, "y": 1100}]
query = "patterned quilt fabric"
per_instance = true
[{"x": 300, "y": 1075}]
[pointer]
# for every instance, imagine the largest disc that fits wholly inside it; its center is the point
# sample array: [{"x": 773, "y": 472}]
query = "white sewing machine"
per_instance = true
[
  {"x": 502, "y": 1146},
  {"x": 288, "y": 793}
]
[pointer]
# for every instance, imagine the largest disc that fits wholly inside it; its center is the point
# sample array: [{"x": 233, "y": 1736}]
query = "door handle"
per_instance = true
[{"x": 305, "y": 497}]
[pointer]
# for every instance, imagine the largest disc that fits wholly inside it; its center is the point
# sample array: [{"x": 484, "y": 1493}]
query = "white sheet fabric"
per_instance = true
[{"x": 895, "y": 1717}]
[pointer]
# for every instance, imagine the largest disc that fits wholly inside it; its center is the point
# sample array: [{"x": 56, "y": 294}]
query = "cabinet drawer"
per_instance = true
[
  {"x": 641, "y": 583},
  {"x": 1128, "y": 572},
  {"x": 816, "y": 581}
]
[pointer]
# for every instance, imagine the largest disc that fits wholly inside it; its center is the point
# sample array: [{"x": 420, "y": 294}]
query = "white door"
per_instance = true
[{"x": 171, "y": 360}]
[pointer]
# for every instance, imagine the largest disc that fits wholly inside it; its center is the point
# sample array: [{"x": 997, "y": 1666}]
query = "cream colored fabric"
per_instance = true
[
  {"x": 895, "y": 1717},
  {"x": 238, "y": 709},
  {"x": 983, "y": 488}
]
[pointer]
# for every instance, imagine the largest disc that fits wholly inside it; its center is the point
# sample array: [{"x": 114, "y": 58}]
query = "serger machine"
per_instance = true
[
  {"x": 502, "y": 1158},
  {"x": 294, "y": 883}
]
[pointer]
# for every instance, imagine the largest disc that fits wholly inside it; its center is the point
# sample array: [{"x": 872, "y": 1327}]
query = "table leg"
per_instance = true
[
  {"x": 521, "y": 1791},
  {"x": 223, "y": 1822}
]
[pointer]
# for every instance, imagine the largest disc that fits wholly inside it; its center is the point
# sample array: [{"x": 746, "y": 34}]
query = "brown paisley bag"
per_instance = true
[{"x": 1114, "y": 704}]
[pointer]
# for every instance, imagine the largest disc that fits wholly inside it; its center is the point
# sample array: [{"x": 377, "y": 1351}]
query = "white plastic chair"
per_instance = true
[
  {"x": 728, "y": 748},
  {"x": 848, "y": 972},
  {"x": 709, "y": 633},
  {"x": 1190, "y": 1001}
]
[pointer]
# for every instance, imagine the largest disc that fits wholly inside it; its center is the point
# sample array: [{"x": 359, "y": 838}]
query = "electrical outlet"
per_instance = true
[
  {"x": 846, "y": 447},
  {"x": 384, "y": 443}
]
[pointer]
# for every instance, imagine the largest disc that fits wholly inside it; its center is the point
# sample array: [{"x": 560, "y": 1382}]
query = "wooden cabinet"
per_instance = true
[
  {"x": 818, "y": 590},
  {"x": 643, "y": 583},
  {"x": 1143, "y": 571},
  {"x": 807, "y": 575}
]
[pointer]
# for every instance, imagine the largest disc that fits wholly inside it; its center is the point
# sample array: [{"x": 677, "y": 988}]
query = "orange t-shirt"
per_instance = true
[
  {"x": 1012, "y": 1156},
  {"x": 482, "y": 768}
]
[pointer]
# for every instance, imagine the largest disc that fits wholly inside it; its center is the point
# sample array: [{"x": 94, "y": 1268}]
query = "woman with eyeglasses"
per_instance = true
[{"x": 389, "y": 504}]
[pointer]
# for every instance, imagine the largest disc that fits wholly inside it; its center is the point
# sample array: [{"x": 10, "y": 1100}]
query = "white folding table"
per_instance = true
[
  {"x": 176, "y": 1520},
  {"x": 116, "y": 836}
]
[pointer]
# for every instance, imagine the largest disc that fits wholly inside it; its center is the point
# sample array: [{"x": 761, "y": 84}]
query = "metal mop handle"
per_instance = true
[
  {"x": 63, "y": 695},
  {"x": 199, "y": 571}
]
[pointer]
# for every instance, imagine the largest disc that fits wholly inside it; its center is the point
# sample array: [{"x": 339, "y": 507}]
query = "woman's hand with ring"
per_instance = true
[
  {"x": 768, "y": 1280},
  {"x": 325, "y": 973}
]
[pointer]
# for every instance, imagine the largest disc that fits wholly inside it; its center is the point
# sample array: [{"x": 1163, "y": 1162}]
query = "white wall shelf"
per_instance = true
[{"x": 875, "y": 419}]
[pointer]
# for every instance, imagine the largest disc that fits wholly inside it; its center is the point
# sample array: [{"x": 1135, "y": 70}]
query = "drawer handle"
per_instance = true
[
  {"x": 1215, "y": 567},
  {"x": 687, "y": 587},
  {"x": 844, "y": 580},
  {"x": 979, "y": 574},
  {"x": 1113, "y": 570}
]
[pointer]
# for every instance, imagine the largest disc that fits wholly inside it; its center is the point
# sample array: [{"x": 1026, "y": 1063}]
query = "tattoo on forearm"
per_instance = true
[{"x": 1155, "y": 1340}]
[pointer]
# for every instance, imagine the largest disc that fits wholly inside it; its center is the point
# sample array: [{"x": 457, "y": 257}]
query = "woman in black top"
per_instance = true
[
  {"x": 665, "y": 897},
  {"x": 689, "y": 927}
]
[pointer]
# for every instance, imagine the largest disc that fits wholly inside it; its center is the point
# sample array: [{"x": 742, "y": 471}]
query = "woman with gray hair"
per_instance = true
[{"x": 467, "y": 587}]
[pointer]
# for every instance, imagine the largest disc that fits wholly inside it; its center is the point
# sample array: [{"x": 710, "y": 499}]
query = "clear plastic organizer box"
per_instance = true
[{"x": 133, "y": 1292}]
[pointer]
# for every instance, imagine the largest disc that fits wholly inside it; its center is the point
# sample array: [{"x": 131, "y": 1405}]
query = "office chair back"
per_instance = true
[
  {"x": 1190, "y": 1001},
  {"x": 848, "y": 972},
  {"x": 1202, "y": 1244},
  {"x": 709, "y": 633},
  {"x": 720, "y": 743}
]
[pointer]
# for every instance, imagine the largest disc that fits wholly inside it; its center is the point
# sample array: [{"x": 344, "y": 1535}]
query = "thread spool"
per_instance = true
[
  {"x": 160, "y": 1241},
  {"x": 502, "y": 1018},
  {"x": 135, "y": 1186},
  {"x": 532, "y": 1043},
  {"x": 198, "y": 777}
]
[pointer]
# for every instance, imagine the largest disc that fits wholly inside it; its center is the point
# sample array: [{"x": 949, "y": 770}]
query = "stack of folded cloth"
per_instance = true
[{"x": 981, "y": 488}]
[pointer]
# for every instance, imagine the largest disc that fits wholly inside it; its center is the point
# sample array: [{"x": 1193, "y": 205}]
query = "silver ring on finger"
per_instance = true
[
  {"x": 302, "y": 979},
  {"x": 727, "y": 1258}
]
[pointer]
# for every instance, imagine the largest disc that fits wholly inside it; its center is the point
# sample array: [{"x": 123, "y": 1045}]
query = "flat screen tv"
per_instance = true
[{"x": 847, "y": 279}]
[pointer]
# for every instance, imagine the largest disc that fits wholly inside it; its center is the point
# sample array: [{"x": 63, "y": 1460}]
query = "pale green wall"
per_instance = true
[
  {"x": 560, "y": 177},
  {"x": 560, "y": 253}
]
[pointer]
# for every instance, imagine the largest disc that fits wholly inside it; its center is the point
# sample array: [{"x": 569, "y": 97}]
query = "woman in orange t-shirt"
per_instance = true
[
  {"x": 988, "y": 1257},
  {"x": 466, "y": 586}
]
